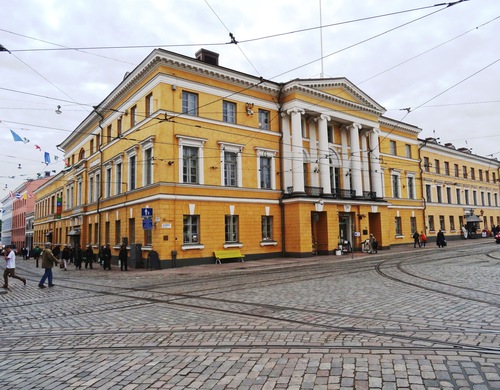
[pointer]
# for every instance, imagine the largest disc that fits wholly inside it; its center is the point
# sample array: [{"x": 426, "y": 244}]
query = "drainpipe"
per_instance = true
[
  {"x": 422, "y": 184},
  {"x": 100, "y": 181},
  {"x": 282, "y": 180}
]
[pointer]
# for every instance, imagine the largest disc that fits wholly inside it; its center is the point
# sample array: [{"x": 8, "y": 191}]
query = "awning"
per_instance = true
[
  {"x": 74, "y": 232},
  {"x": 473, "y": 218}
]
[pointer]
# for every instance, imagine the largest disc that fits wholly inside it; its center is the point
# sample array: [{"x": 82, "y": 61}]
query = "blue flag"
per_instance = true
[
  {"x": 16, "y": 136},
  {"x": 47, "y": 158}
]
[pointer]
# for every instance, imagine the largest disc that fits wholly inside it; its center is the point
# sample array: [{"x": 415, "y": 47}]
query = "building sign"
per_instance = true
[{"x": 58, "y": 208}]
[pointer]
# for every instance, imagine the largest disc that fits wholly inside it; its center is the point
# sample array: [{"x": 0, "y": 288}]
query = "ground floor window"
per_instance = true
[
  {"x": 431, "y": 223},
  {"x": 231, "y": 228},
  {"x": 399, "y": 228},
  {"x": 191, "y": 229},
  {"x": 267, "y": 228}
]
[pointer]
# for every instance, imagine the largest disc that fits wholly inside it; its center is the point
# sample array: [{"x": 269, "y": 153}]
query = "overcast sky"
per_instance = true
[{"x": 438, "y": 61}]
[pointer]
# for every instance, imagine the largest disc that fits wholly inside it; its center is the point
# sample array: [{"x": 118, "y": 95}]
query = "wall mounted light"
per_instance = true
[{"x": 170, "y": 163}]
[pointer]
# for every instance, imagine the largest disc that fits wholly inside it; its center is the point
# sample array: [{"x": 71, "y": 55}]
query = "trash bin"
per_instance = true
[{"x": 136, "y": 255}]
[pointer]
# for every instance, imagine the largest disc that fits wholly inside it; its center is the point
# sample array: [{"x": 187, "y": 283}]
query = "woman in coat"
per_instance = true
[{"x": 440, "y": 239}]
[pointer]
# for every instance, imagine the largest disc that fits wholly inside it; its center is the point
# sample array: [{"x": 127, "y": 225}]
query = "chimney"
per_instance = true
[
  {"x": 47, "y": 173},
  {"x": 449, "y": 145},
  {"x": 207, "y": 56},
  {"x": 464, "y": 150},
  {"x": 431, "y": 140}
]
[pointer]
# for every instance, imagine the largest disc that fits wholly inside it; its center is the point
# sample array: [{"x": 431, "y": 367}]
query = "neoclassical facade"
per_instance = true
[{"x": 185, "y": 157}]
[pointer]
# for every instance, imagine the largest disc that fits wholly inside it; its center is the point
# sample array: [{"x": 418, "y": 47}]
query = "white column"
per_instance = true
[
  {"x": 346, "y": 172},
  {"x": 375, "y": 171},
  {"x": 313, "y": 152},
  {"x": 357, "y": 184},
  {"x": 287, "y": 152},
  {"x": 297, "y": 155},
  {"x": 323, "y": 154},
  {"x": 365, "y": 162}
]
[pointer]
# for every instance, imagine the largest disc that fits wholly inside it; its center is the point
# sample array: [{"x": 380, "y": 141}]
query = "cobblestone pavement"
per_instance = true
[{"x": 401, "y": 319}]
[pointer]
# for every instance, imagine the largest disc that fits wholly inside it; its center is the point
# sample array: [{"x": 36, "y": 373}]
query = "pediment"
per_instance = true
[{"x": 340, "y": 89}]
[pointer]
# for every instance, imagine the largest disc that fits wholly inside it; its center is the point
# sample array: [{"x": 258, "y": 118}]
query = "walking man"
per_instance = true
[
  {"x": 48, "y": 261},
  {"x": 416, "y": 239},
  {"x": 122, "y": 256},
  {"x": 10, "y": 267}
]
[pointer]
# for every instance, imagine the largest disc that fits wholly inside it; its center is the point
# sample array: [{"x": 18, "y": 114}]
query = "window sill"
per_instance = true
[
  {"x": 399, "y": 237},
  {"x": 188, "y": 247},
  {"x": 232, "y": 245},
  {"x": 268, "y": 243}
]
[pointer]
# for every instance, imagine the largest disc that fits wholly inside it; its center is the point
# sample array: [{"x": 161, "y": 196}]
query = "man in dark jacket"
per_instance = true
[
  {"x": 122, "y": 256},
  {"x": 416, "y": 239},
  {"x": 106, "y": 257}
]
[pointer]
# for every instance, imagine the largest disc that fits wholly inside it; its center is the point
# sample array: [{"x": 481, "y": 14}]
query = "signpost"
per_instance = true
[{"x": 147, "y": 218}]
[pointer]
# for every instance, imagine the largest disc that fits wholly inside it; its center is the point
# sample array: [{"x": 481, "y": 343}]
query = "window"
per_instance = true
[
  {"x": 459, "y": 200},
  {"x": 482, "y": 198},
  {"x": 118, "y": 233},
  {"x": 91, "y": 146},
  {"x": 131, "y": 230},
  {"x": 473, "y": 174},
  {"x": 191, "y": 229},
  {"x": 428, "y": 192},
  {"x": 448, "y": 195},
  {"x": 399, "y": 228},
  {"x": 304, "y": 127},
  {"x": 108, "y": 182},
  {"x": 91, "y": 189},
  {"x": 392, "y": 145},
  {"x": 441, "y": 223},
  {"x": 452, "y": 222},
  {"x": 426, "y": 164},
  {"x": 89, "y": 232},
  {"x": 118, "y": 173},
  {"x": 439, "y": 194},
  {"x": 106, "y": 232},
  {"x": 132, "y": 160},
  {"x": 466, "y": 196},
  {"x": 437, "y": 166},
  {"x": 190, "y": 165},
  {"x": 108, "y": 135},
  {"x": 464, "y": 172},
  {"x": 493, "y": 177},
  {"x": 480, "y": 175},
  {"x": 96, "y": 233},
  {"x": 148, "y": 166},
  {"x": 79, "y": 193},
  {"x": 408, "y": 151},
  {"x": 489, "y": 198},
  {"x": 447, "y": 168},
  {"x": 264, "y": 119},
  {"x": 228, "y": 112},
  {"x": 395, "y": 185},
  {"x": 265, "y": 172},
  {"x": 267, "y": 228},
  {"x": 413, "y": 224},
  {"x": 189, "y": 103},
  {"x": 230, "y": 169},
  {"x": 148, "y": 237},
  {"x": 119, "y": 127},
  {"x": 149, "y": 104},
  {"x": 487, "y": 174},
  {"x": 456, "y": 170},
  {"x": 231, "y": 228},
  {"x": 133, "y": 116},
  {"x": 329, "y": 130},
  {"x": 474, "y": 197},
  {"x": 97, "y": 186},
  {"x": 432, "y": 228},
  {"x": 495, "y": 196}
]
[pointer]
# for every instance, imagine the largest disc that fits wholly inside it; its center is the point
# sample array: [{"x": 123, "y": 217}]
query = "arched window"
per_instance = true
[
  {"x": 334, "y": 172},
  {"x": 81, "y": 155}
]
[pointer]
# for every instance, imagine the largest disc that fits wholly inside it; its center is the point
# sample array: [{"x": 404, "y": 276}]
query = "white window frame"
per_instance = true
[
  {"x": 149, "y": 104},
  {"x": 228, "y": 111},
  {"x": 193, "y": 143},
  {"x": 108, "y": 181},
  {"x": 147, "y": 167},
  {"x": 410, "y": 178},
  {"x": 269, "y": 154},
  {"x": 264, "y": 114},
  {"x": 232, "y": 148},
  {"x": 118, "y": 178},
  {"x": 397, "y": 175},
  {"x": 131, "y": 184},
  {"x": 187, "y": 103}
]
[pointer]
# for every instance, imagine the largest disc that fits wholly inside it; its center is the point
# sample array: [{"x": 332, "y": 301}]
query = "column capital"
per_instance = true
[
  {"x": 295, "y": 110},
  {"x": 323, "y": 117}
]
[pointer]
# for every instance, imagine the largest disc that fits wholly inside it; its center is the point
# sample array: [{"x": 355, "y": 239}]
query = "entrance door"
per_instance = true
[
  {"x": 319, "y": 232},
  {"x": 345, "y": 229}
]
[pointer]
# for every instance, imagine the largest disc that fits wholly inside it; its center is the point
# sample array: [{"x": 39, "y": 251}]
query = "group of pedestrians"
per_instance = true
[{"x": 419, "y": 239}]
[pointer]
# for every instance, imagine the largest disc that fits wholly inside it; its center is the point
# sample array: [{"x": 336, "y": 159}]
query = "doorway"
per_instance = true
[{"x": 345, "y": 232}]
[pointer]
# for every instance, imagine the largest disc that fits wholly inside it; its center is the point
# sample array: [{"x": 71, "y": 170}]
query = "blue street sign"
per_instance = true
[
  {"x": 146, "y": 212},
  {"x": 147, "y": 223}
]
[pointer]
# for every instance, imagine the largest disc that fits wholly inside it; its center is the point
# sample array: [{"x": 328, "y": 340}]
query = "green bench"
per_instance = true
[{"x": 228, "y": 254}]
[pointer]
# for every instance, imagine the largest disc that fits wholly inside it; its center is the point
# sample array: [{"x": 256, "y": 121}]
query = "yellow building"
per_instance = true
[
  {"x": 460, "y": 190},
  {"x": 185, "y": 157}
]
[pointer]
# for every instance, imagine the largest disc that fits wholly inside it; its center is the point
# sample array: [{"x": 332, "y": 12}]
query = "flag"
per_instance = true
[
  {"x": 38, "y": 148},
  {"x": 30, "y": 196},
  {"x": 47, "y": 158},
  {"x": 11, "y": 194},
  {"x": 16, "y": 136},
  {"x": 18, "y": 195}
]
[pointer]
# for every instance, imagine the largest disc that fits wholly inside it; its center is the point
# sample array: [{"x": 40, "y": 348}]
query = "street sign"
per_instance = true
[
  {"x": 147, "y": 223},
  {"x": 146, "y": 212}
]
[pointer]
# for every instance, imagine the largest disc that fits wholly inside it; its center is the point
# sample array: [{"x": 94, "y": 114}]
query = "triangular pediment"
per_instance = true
[{"x": 340, "y": 89}]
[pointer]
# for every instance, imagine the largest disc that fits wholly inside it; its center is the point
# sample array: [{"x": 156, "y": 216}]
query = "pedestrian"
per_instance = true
[
  {"x": 373, "y": 244},
  {"x": 10, "y": 267},
  {"x": 78, "y": 256},
  {"x": 65, "y": 256},
  {"x": 416, "y": 239},
  {"x": 48, "y": 261},
  {"x": 24, "y": 251},
  {"x": 57, "y": 251},
  {"x": 88, "y": 257},
  {"x": 423, "y": 238},
  {"x": 440, "y": 239},
  {"x": 122, "y": 257},
  {"x": 36, "y": 254},
  {"x": 106, "y": 257}
]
